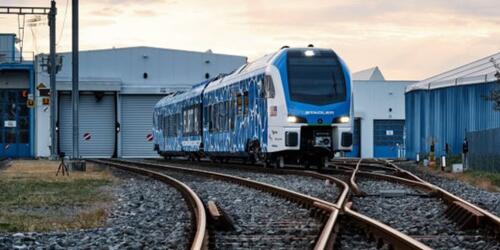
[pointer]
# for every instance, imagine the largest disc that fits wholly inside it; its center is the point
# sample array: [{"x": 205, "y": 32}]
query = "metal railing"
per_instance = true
[{"x": 16, "y": 57}]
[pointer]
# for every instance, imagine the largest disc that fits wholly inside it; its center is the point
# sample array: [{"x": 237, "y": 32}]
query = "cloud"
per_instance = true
[{"x": 408, "y": 39}]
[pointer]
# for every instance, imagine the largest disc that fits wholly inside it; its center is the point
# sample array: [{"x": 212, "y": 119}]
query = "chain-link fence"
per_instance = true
[{"x": 484, "y": 150}]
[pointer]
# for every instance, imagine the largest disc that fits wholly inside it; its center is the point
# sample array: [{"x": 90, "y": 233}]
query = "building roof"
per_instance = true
[
  {"x": 371, "y": 74},
  {"x": 484, "y": 70}
]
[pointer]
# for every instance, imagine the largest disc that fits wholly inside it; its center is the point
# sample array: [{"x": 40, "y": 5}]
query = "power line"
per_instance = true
[{"x": 63, "y": 24}]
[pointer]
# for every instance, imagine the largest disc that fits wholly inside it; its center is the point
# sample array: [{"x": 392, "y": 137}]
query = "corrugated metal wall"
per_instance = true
[
  {"x": 484, "y": 150},
  {"x": 7, "y": 42},
  {"x": 445, "y": 115},
  {"x": 137, "y": 124},
  {"x": 97, "y": 118}
]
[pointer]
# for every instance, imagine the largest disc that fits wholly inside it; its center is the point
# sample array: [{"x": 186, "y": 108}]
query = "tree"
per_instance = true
[{"x": 494, "y": 95}]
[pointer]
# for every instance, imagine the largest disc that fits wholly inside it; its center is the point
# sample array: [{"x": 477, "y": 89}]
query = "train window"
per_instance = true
[
  {"x": 165, "y": 129},
  {"x": 317, "y": 79},
  {"x": 195, "y": 120},
  {"x": 160, "y": 119},
  {"x": 209, "y": 118},
  {"x": 199, "y": 117},
  {"x": 177, "y": 123},
  {"x": 246, "y": 103},
  {"x": 268, "y": 87},
  {"x": 185, "y": 128},
  {"x": 216, "y": 117},
  {"x": 228, "y": 115},
  {"x": 220, "y": 121},
  {"x": 232, "y": 111},
  {"x": 175, "y": 120},
  {"x": 239, "y": 104}
]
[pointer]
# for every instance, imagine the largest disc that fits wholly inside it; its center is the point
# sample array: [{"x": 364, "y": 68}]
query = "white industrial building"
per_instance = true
[
  {"x": 118, "y": 89},
  {"x": 379, "y": 111}
]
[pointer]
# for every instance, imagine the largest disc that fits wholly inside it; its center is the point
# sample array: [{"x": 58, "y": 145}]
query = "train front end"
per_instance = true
[{"x": 309, "y": 106}]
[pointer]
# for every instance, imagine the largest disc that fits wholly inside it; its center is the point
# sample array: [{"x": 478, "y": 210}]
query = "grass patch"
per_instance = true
[
  {"x": 483, "y": 178},
  {"x": 486, "y": 180},
  {"x": 32, "y": 198}
]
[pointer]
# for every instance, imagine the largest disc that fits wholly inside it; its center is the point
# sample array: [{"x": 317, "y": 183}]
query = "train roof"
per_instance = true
[
  {"x": 257, "y": 66},
  {"x": 181, "y": 96}
]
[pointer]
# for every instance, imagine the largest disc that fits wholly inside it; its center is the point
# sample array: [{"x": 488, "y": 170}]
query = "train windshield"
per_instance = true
[{"x": 315, "y": 77}]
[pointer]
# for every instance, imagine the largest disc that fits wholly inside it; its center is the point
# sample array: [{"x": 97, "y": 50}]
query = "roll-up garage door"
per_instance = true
[
  {"x": 388, "y": 138},
  {"x": 136, "y": 124},
  {"x": 97, "y": 125}
]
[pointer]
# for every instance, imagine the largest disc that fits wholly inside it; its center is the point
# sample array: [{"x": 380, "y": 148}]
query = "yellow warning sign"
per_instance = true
[
  {"x": 30, "y": 103},
  {"x": 41, "y": 86}
]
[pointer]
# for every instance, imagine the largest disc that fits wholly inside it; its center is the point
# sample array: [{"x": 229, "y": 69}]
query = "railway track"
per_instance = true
[
  {"x": 292, "y": 220},
  {"x": 200, "y": 235},
  {"x": 423, "y": 211},
  {"x": 366, "y": 232}
]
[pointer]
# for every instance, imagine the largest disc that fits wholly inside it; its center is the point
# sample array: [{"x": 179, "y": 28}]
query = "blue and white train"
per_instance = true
[{"x": 294, "y": 105}]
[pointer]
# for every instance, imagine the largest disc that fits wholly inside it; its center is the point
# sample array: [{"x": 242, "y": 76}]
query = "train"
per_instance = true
[{"x": 290, "y": 106}]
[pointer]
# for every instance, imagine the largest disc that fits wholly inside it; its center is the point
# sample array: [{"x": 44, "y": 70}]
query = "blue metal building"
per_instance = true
[
  {"x": 441, "y": 109},
  {"x": 16, "y": 88}
]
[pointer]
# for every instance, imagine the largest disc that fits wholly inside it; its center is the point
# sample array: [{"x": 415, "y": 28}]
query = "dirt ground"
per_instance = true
[{"x": 33, "y": 198}]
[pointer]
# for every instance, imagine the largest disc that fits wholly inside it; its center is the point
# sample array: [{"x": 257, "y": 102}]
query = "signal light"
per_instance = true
[
  {"x": 45, "y": 101},
  {"x": 25, "y": 93}
]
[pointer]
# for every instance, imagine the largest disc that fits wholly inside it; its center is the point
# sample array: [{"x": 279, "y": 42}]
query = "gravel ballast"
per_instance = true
[
  {"x": 352, "y": 237},
  {"x": 480, "y": 197},
  {"x": 260, "y": 220},
  {"x": 146, "y": 214},
  {"x": 417, "y": 215},
  {"x": 314, "y": 187}
]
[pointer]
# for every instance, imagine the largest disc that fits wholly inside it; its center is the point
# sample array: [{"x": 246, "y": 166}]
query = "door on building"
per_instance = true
[
  {"x": 136, "y": 125},
  {"x": 14, "y": 123},
  {"x": 388, "y": 138},
  {"x": 356, "y": 139},
  {"x": 97, "y": 124}
]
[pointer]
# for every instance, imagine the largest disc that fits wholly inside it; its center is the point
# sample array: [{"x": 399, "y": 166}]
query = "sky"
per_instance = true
[{"x": 408, "y": 40}]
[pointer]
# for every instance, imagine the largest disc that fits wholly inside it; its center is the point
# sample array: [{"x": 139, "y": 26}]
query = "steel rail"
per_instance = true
[
  {"x": 383, "y": 231},
  {"x": 489, "y": 219},
  {"x": 352, "y": 180},
  {"x": 328, "y": 235},
  {"x": 200, "y": 239},
  {"x": 325, "y": 239},
  {"x": 492, "y": 219}
]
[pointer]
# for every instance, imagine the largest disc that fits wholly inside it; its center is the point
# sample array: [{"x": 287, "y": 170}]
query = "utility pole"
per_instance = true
[
  {"x": 52, "y": 73},
  {"x": 75, "y": 94},
  {"x": 51, "y": 13}
]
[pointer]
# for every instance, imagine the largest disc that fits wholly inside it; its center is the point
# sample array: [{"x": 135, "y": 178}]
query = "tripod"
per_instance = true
[{"x": 62, "y": 167}]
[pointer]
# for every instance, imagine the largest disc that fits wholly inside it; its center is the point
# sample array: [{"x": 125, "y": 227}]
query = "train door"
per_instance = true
[
  {"x": 388, "y": 137},
  {"x": 14, "y": 123}
]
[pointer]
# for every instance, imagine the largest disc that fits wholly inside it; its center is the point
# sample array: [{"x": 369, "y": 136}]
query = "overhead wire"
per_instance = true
[{"x": 63, "y": 24}]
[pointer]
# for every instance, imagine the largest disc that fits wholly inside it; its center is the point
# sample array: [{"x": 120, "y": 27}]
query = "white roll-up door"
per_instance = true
[
  {"x": 136, "y": 124},
  {"x": 97, "y": 125}
]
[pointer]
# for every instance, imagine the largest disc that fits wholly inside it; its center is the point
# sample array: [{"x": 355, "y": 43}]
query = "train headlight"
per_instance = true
[
  {"x": 344, "y": 119},
  {"x": 309, "y": 53},
  {"x": 292, "y": 119}
]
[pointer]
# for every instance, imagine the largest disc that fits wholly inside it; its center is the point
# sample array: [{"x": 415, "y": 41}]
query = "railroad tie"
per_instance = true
[
  {"x": 465, "y": 216},
  {"x": 220, "y": 219}
]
